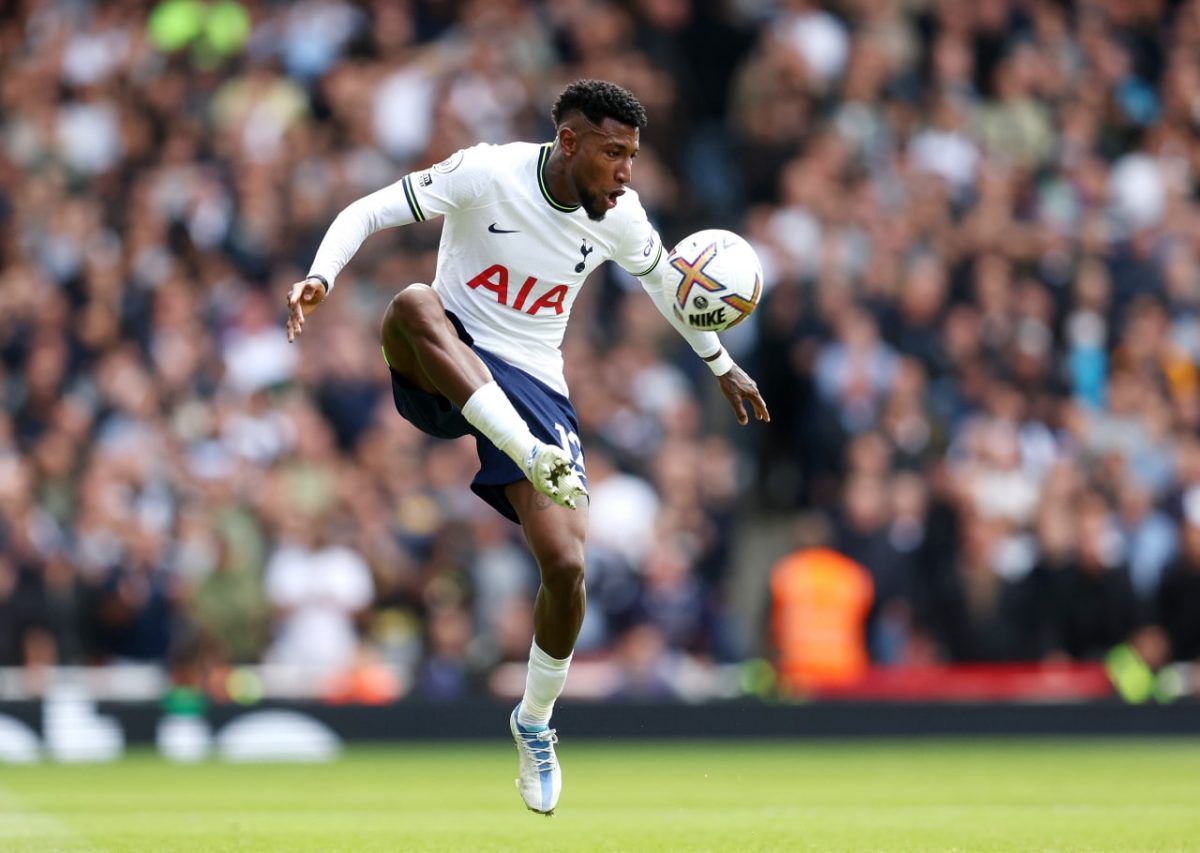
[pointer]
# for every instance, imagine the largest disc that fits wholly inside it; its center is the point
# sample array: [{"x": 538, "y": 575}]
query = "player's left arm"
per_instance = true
[{"x": 737, "y": 386}]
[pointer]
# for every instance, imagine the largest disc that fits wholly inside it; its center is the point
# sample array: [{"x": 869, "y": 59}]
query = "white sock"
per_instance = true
[
  {"x": 543, "y": 684},
  {"x": 491, "y": 412}
]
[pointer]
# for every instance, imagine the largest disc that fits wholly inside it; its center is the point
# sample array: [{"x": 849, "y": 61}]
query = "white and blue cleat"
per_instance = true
[
  {"x": 539, "y": 778},
  {"x": 553, "y": 473}
]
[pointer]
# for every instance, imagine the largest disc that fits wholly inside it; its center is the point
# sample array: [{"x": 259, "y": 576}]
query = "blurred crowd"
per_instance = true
[{"x": 979, "y": 338}]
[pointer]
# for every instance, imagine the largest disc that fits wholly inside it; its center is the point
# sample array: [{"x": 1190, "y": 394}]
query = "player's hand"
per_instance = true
[
  {"x": 303, "y": 299},
  {"x": 739, "y": 389}
]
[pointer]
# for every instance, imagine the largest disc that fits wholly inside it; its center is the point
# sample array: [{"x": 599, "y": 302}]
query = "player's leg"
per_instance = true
[
  {"x": 556, "y": 537},
  {"x": 423, "y": 347}
]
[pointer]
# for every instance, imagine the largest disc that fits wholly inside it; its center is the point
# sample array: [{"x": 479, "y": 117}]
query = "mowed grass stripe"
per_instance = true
[
  {"x": 996, "y": 795},
  {"x": 20, "y": 825}
]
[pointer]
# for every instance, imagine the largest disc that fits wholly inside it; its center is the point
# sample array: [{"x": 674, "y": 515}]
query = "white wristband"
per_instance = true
[{"x": 722, "y": 364}]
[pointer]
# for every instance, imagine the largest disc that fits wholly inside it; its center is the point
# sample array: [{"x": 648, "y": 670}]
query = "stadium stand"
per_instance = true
[{"x": 979, "y": 340}]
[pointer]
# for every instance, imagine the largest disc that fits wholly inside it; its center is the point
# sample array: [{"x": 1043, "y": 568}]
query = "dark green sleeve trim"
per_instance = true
[
  {"x": 650, "y": 268},
  {"x": 411, "y": 197}
]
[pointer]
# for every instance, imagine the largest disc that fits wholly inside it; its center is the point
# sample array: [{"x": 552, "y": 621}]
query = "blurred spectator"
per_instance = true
[
  {"x": 645, "y": 667},
  {"x": 854, "y": 373},
  {"x": 980, "y": 611},
  {"x": 20, "y": 614},
  {"x": 1092, "y": 604},
  {"x": 228, "y": 606},
  {"x": 820, "y": 603},
  {"x": 446, "y": 672},
  {"x": 979, "y": 336},
  {"x": 1178, "y": 600},
  {"x": 1150, "y": 537},
  {"x": 135, "y": 603},
  {"x": 317, "y": 589}
]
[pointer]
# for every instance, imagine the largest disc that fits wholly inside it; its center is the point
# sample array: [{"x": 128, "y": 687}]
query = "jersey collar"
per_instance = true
[{"x": 543, "y": 159}]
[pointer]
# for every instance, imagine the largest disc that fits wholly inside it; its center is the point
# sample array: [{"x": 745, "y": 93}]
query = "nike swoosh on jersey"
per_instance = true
[{"x": 496, "y": 230}]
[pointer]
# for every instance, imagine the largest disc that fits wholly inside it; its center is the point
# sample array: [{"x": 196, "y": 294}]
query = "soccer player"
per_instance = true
[{"x": 478, "y": 352}]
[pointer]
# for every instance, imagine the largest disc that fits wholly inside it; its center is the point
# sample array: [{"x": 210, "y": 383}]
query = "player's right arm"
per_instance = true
[
  {"x": 416, "y": 197},
  {"x": 385, "y": 208}
]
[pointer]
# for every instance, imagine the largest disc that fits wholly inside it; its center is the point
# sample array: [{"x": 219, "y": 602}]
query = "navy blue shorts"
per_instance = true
[{"x": 550, "y": 416}]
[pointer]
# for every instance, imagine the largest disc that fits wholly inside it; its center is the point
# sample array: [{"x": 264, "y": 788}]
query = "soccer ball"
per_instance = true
[{"x": 718, "y": 280}]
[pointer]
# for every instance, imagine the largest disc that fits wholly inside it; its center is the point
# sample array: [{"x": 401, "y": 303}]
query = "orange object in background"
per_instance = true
[
  {"x": 364, "y": 685},
  {"x": 820, "y": 601},
  {"x": 367, "y": 681}
]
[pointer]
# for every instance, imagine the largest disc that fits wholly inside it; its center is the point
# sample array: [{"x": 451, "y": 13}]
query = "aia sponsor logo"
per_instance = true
[{"x": 525, "y": 299}]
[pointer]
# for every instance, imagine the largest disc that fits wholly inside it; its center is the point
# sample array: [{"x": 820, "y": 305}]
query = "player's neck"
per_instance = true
[{"x": 556, "y": 180}]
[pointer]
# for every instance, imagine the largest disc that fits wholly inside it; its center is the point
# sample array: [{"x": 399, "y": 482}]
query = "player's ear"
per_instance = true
[{"x": 568, "y": 140}]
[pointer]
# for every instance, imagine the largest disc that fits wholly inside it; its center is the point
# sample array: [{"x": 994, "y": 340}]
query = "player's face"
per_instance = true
[{"x": 603, "y": 165}]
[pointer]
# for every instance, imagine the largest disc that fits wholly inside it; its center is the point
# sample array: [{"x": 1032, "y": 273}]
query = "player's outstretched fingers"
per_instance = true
[
  {"x": 295, "y": 322},
  {"x": 303, "y": 298},
  {"x": 760, "y": 407},
  {"x": 739, "y": 389}
]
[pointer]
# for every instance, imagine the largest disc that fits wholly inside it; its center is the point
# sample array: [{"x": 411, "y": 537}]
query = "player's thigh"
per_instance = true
[
  {"x": 556, "y": 535},
  {"x": 417, "y": 303}
]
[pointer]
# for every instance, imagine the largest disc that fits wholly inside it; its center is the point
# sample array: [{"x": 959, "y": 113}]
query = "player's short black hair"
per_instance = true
[{"x": 598, "y": 100}]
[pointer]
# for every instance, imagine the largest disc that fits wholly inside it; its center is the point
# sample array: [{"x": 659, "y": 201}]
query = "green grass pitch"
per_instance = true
[{"x": 849, "y": 795}]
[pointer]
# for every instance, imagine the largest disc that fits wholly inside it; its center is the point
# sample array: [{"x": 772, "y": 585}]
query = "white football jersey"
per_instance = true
[{"x": 512, "y": 257}]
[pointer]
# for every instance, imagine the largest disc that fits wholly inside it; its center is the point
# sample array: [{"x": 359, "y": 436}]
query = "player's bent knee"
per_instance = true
[
  {"x": 416, "y": 310},
  {"x": 562, "y": 575}
]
